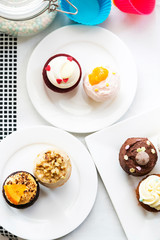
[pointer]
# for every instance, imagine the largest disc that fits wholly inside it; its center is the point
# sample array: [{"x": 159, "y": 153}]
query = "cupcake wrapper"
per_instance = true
[
  {"x": 141, "y": 7},
  {"x": 90, "y": 12}
]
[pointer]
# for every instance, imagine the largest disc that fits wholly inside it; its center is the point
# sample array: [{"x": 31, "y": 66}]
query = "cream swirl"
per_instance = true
[
  {"x": 63, "y": 73},
  {"x": 149, "y": 191}
]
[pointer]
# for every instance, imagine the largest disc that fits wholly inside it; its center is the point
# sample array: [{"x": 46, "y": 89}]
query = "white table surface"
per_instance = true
[{"x": 142, "y": 35}]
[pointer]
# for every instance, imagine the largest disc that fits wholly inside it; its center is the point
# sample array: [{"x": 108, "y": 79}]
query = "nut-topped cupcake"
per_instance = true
[
  {"x": 101, "y": 84},
  {"x": 20, "y": 189},
  {"x": 137, "y": 156},
  {"x": 52, "y": 168},
  {"x": 62, "y": 73},
  {"x": 148, "y": 193}
]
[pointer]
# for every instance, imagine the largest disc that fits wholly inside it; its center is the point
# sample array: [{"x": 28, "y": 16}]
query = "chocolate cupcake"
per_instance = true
[
  {"x": 62, "y": 73},
  {"x": 148, "y": 193},
  {"x": 20, "y": 189},
  {"x": 52, "y": 167},
  {"x": 137, "y": 156}
]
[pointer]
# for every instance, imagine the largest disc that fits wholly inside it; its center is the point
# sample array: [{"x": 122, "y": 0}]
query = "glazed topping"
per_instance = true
[
  {"x": 98, "y": 75},
  {"x": 149, "y": 191},
  {"x": 14, "y": 192},
  {"x": 20, "y": 188},
  {"x": 51, "y": 167},
  {"x": 142, "y": 158},
  {"x": 63, "y": 72}
]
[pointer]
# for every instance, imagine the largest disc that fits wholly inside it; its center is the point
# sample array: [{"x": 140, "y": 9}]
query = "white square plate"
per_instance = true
[{"x": 104, "y": 146}]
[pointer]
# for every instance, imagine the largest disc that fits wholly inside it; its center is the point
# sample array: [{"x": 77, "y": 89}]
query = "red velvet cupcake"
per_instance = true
[{"x": 62, "y": 73}]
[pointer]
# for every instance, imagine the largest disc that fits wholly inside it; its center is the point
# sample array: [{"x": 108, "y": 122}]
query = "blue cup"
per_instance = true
[{"x": 90, "y": 12}]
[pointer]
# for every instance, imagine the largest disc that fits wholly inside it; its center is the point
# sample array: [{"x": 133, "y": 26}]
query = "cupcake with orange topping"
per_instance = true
[
  {"x": 101, "y": 84},
  {"x": 20, "y": 189}
]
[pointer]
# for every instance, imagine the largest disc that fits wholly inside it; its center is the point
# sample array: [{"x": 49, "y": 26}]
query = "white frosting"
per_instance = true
[
  {"x": 104, "y": 93},
  {"x": 149, "y": 191},
  {"x": 61, "y": 68}
]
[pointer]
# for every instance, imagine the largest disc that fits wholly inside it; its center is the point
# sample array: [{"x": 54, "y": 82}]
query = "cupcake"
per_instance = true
[
  {"x": 137, "y": 156},
  {"x": 148, "y": 193},
  {"x": 62, "y": 73},
  {"x": 20, "y": 189},
  {"x": 52, "y": 168},
  {"x": 101, "y": 84}
]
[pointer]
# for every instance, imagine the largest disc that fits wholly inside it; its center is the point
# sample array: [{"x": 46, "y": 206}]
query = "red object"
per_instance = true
[
  {"x": 141, "y": 7},
  {"x": 48, "y": 68},
  {"x": 65, "y": 80},
  {"x": 59, "y": 81},
  {"x": 70, "y": 59}
]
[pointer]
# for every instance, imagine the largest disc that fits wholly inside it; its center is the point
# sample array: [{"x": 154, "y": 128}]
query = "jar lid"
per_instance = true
[{"x": 22, "y": 9}]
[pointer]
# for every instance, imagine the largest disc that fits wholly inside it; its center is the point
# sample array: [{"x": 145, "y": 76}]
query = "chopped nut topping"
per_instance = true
[{"x": 52, "y": 167}]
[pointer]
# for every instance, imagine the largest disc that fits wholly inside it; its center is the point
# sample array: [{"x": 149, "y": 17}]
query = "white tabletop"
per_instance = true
[{"x": 142, "y": 35}]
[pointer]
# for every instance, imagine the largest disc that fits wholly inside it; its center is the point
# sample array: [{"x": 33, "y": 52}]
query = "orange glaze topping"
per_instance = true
[
  {"x": 98, "y": 75},
  {"x": 14, "y": 192}
]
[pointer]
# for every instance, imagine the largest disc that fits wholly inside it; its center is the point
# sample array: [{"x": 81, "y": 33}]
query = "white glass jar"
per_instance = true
[{"x": 27, "y": 17}]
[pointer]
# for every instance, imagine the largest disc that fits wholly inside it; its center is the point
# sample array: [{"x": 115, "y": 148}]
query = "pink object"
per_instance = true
[
  {"x": 127, "y": 147},
  {"x": 101, "y": 92},
  {"x": 65, "y": 80},
  {"x": 59, "y": 81},
  {"x": 139, "y": 168},
  {"x": 135, "y": 6}
]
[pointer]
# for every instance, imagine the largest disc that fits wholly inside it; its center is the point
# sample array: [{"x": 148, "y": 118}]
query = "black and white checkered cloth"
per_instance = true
[{"x": 8, "y": 93}]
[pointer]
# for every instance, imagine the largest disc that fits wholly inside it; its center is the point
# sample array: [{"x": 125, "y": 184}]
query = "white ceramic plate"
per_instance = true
[
  {"x": 56, "y": 212},
  {"x": 104, "y": 146},
  {"x": 74, "y": 111}
]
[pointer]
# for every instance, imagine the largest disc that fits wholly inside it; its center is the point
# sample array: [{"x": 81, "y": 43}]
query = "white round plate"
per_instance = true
[
  {"x": 91, "y": 46},
  {"x": 56, "y": 212}
]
